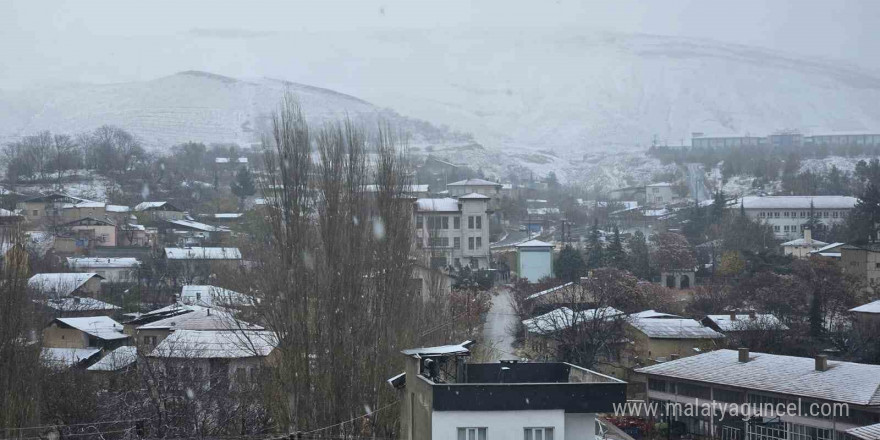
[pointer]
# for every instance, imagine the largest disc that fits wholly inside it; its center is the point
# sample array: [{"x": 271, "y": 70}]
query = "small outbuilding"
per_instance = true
[{"x": 534, "y": 260}]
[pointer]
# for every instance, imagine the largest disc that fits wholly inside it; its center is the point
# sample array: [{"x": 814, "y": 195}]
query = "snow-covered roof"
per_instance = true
[
  {"x": 659, "y": 185},
  {"x": 228, "y": 215},
  {"x": 747, "y": 322},
  {"x": 535, "y": 244},
  {"x": 213, "y": 344},
  {"x": 437, "y": 205},
  {"x": 203, "y": 253},
  {"x": 242, "y": 160},
  {"x": 565, "y": 317},
  {"x": 133, "y": 227},
  {"x": 101, "y": 327},
  {"x": 196, "y": 225},
  {"x": 118, "y": 208},
  {"x": 542, "y": 211},
  {"x": 90, "y": 204},
  {"x": 117, "y": 359},
  {"x": 869, "y": 432},
  {"x": 803, "y": 242},
  {"x": 442, "y": 350},
  {"x": 201, "y": 318},
  {"x": 221, "y": 160},
  {"x": 474, "y": 196},
  {"x": 871, "y": 307},
  {"x": 674, "y": 328},
  {"x": 408, "y": 189},
  {"x": 655, "y": 212},
  {"x": 67, "y": 357},
  {"x": 103, "y": 263},
  {"x": 847, "y": 382},
  {"x": 212, "y": 295},
  {"x": 474, "y": 182},
  {"x": 59, "y": 284},
  {"x": 652, "y": 314},
  {"x": 797, "y": 202},
  {"x": 827, "y": 248},
  {"x": 145, "y": 206},
  {"x": 550, "y": 290},
  {"x": 78, "y": 304}
]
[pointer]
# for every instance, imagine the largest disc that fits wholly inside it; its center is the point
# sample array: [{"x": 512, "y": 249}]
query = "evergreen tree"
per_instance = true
[
  {"x": 718, "y": 205},
  {"x": 243, "y": 186},
  {"x": 595, "y": 254},
  {"x": 639, "y": 258},
  {"x": 569, "y": 265},
  {"x": 614, "y": 254},
  {"x": 862, "y": 222},
  {"x": 813, "y": 223}
]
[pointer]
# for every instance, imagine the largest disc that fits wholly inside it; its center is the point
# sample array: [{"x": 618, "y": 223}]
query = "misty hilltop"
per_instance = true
[{"x": 190, "y": 106}]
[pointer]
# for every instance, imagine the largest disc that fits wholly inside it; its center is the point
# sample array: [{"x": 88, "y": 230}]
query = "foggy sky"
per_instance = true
[{"x": 53, "y": 41}]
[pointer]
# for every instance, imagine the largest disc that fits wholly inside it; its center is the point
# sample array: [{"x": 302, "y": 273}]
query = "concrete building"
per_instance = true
[
  {"x": 534, "y": 260},
  {"x": 803, "y": 247},
  {"x": 91, "y": 232},
  {"x": 479, "y": 186},
  {"x": 443, "y": 397},
  {"x": 86, "y": 332},
  {"x": 798, "y": 398},
  {"x": 862, "y": 261},
  {"x": 789, "y": 214},
  {"x": 113, "y": 270},
  {"x": 660, "y": 194},
  {"x": 453, "y": 232},
  {"x": 159, "y": 211},
  {"x": 867, "y": 316},
  {"x": 58, "y": 285},
  {"x": 678, "y": 279},
  {"x": 47, "y": 208}
]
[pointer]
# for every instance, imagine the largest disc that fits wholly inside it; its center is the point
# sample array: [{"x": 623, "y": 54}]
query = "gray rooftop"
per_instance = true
[{"x": 847, "y": 382}]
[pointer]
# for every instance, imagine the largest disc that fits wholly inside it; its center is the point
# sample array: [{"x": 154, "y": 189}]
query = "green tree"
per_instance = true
[
  {"x": 639, "y": 260},
  {"x": 862, "y": 222},
  {"x": 569, "y": 265},
  {"x": 595, "y": 253},
  {"x": 243, "y": 186},
  {"x": 614, "y": 254},
  {"x": 718, "y": 204}
]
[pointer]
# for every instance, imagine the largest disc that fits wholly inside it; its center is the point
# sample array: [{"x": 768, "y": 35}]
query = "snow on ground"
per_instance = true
[{"x": 822, "y": 166}]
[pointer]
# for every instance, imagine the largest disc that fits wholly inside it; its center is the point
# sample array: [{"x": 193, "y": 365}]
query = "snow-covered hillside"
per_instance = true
[{"x": 188, "y": 106}]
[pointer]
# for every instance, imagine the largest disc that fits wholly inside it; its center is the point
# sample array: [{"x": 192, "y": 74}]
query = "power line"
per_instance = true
[
  {"x": 75, "y": 424},
  {"x": 352, "y": 420}
]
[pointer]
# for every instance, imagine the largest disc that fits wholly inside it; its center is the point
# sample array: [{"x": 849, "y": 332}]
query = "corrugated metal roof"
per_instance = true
[
  {"x": 117, "y": 359},
  {"x": 870, "y": 432},
  {"x": 848, "y": 382},
  {"x": 101, "y": 327},
  {"x": 201, "y": 318},
  {"x": 552, "y": 289},
  {"x": 215, "y": 344},
  {"x": 871, "y": 307},
  {"x": 674, "y": 328},
  {"x": 78, "y": 304},
  {"x": 59, "y": 284},
  {"x": 564, "y": 317},
  {"x": 84, "y": 263},
  {"x": 798, "y": 202},
  {"x": 203, "y": 253}
]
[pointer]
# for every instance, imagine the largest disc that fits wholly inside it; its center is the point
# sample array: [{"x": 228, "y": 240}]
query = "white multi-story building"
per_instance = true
[
  {"x": 454, "y": 232},
  {"x": 788, "y": 214},
  {"x": 659, "y": 194},
  {"x": 443, "y": 397}
]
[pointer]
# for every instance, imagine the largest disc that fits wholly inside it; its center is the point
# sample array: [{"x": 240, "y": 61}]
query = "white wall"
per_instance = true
[
  {"x": 535, "y": 265},
  {"x": 579, "y": 426},
  {"x": 502, "y": 425}
]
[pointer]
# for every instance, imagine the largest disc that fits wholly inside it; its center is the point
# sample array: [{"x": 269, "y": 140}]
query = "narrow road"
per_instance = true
[
  {"x": 501, "y": 317},
  {"x": 697, "y": 182}
]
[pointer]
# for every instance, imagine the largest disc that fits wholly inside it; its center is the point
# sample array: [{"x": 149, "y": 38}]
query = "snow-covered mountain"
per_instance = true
[{"x": 188, "y": 106}]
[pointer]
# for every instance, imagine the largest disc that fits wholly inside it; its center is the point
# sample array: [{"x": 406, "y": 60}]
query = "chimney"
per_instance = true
[
  {"x": 752, "y": 315},
  {"x": 733, "y": 315},
  {"x": 209, "y": 312},
  {"x": 822, "y": 362},
  {"x": 743, "y": 354},
  {"x": 808, "y": 236}
]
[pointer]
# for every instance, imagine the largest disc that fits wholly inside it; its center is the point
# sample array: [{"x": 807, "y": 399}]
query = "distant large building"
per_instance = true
[
  {"x": 788, "y": 214},
  {"x": 699, "y": 140},
  {"x": 454, "y": 232}
]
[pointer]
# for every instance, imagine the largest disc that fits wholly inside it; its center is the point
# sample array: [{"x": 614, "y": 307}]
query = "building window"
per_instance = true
[
  {"x": 472, "y": 433},
  {"x": 479, "y": 243},
  {"x": 825, "y": 214},
  {"x": 776, "y": 228},
  {"x": 539, "y": 434},
  {"x": 471, "y": 243},
  {"x": 470, "y": 222},
  {"x": 456, "y": 222},
  {"x": 776, "y": 214},
  {"x": 36, "y": 213},
  {"x": 785, "y": 228},
  {"x": 834, "y": 214},
  {"x": 657, "y": 385},
  {"x": 785, "y": 214},
  {"x": 149, "y": 341},
  {"x": 419, "y": 221},
  {"x": 479, "y": 222},
  {"x": 456, "y": 242}
]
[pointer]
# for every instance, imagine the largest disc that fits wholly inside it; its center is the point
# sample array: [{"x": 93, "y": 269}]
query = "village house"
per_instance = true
[
  {"x": 213, "y": 296},
  {"x": 658, "y": 337},
  {"x": 195, "y": 264},
  {"x": 47, "y": 208},
  {"x": 132, "y": 235},
  {"x": 453, "y": 232},
  {"x": 802, "y": 247},
  {"x": 867, "y": 316},
  {"x": 113, "y": 270},
  {"x": 138, "y": 319},
  {"x": 660, "y": 194},
  {"x": 479, "y": 186},
  {"x": 830, "y": 398},
  {"x": 199, "y": 318},
  {"x": 861, "y": 261},
  {"x": 84, "y": 332},
  {"x": 89, "y": 232},
  {"x": 119, "y": 214},
  {"x": 191, "y": 233},
  {"x": 830, "y": 251},
  {"x": 57, "y": 285},
  {"x": 159, "y": 211},
  {"x": 76, "y": 211},
  {"x": 788, "y": 215},
  {"x": 443, "y": 397}
]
